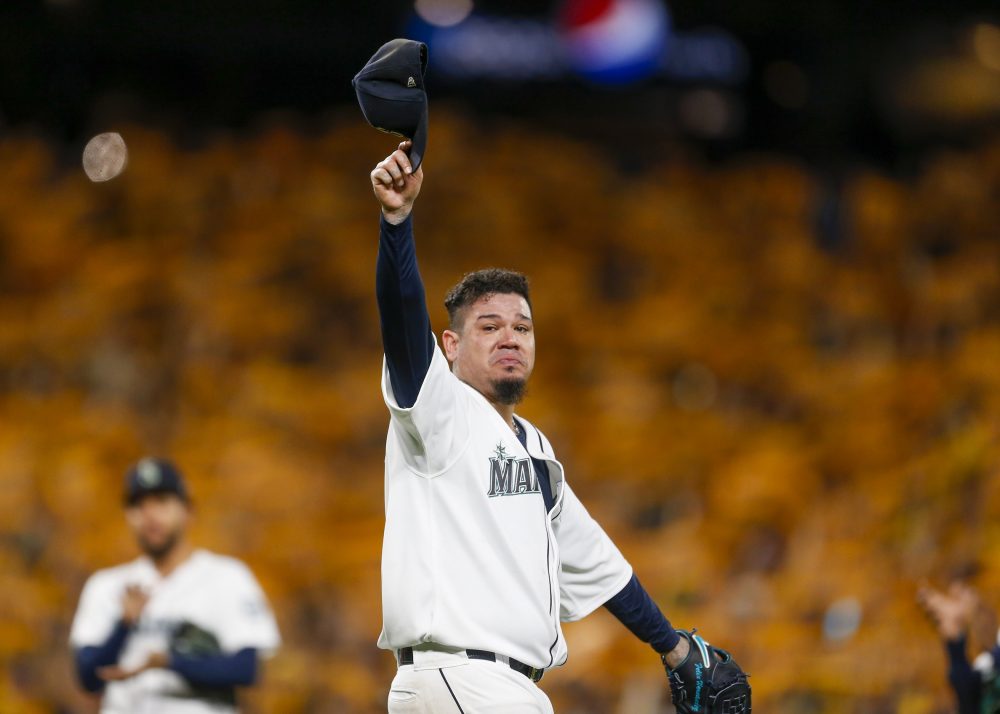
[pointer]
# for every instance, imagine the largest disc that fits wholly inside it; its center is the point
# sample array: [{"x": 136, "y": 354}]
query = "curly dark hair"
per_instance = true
[{"x": 483, "y": 283}]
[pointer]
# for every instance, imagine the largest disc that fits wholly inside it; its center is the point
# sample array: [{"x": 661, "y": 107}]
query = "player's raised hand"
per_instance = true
[
  {"x": 951, "y": 610},
  {"x": 134, "y": 600},
  {"x": 396, "y": 185}
]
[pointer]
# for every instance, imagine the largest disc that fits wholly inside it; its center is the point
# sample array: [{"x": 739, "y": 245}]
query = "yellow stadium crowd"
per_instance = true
[{"x": 785, "y": 438}]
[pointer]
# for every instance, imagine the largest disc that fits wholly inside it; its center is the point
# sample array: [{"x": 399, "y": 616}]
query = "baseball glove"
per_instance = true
[
  {"x": 707, "y": 681},
  {"x": 192, "y": 641},
  {"x": 189, "y": 640}
]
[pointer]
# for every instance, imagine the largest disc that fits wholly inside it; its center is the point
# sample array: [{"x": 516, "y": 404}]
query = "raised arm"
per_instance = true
[
  {"x": 952, "y": 610},
  {"x": 965, "y": 681},
  {"x": 406, "y": 326},
  {"x": 94, "y": 651}
]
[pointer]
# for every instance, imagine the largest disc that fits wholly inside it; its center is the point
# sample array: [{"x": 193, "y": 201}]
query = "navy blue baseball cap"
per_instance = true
[
  {"x": 153, "y": 476},
  {"x": 390, "y": 89}
]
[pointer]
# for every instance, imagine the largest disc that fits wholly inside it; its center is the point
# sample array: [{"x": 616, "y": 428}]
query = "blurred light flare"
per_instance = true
[
  {"x": 105, "y": 156},
  {"x": 443, "y": 13},
  {"x": 842, "y": 619}
]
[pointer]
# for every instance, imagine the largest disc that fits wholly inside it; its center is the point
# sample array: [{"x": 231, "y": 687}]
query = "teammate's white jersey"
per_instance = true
[
  {"x": 215, "y": 592},
  {"x": 470, "y": 559}
]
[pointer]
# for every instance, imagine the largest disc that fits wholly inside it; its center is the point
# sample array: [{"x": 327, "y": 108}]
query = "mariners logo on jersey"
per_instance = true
[{"x": 510, "y": 476}]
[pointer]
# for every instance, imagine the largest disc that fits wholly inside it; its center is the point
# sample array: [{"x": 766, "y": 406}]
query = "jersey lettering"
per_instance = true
[{"x": 510, "y": 476}]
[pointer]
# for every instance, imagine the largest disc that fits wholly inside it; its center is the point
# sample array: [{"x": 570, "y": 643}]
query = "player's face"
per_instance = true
[
  {"x": 158, "y": 521},
  {"x": 495, "y": 349}
]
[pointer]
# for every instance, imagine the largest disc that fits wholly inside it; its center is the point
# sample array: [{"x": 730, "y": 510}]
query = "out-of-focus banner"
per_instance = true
[{"x": 604, "y": 41}]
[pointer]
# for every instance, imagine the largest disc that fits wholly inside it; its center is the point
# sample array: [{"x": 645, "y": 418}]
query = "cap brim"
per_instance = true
[
  {"x": 419, "y": 139},
  {"x": 132, "y": 497}
]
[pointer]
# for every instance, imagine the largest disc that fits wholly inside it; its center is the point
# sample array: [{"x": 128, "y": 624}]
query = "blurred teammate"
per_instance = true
[
  {"x": 486, "y": 548},
  {"x": 957, "y": 612},
  {"x": 178, "y": 629}
]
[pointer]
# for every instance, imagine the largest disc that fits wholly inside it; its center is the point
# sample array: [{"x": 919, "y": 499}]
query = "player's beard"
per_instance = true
[
  {"x": 509, "y": 391},
  {"x": 159, "y": 551}
]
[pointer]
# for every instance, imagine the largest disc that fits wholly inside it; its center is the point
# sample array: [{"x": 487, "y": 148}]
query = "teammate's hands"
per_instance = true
[
  {"x": 134, "y": 600},
  {"x": 952, "y": 610},
  {"x": 396, "y": 185},
  {"x": 114, "y": 673}
]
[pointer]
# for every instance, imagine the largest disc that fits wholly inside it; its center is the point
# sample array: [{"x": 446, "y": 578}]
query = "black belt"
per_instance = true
[{"x": 532, "y": 673}]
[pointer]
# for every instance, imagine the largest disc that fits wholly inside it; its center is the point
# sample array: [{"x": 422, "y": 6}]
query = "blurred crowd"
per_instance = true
[{"x": 778, "y": 393}]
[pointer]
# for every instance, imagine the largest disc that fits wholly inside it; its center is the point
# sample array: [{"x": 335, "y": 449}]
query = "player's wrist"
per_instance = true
[
  {"x": 953, "y": 632},
  {"x": 676, "y": 657},
  {"x": 396, "y": 216}
]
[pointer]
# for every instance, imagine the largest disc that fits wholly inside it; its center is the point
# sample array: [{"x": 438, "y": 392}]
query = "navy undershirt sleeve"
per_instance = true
[
  {"x": 89, "y": 659},
  {"x": 402, "y": 304},
  {"x": 230, "y": 670},
  {"x": 637, "y": 611},
  {"x": 963, "y": 678}
]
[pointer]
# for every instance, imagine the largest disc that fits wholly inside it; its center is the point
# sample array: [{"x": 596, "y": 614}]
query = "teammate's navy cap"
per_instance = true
[
  {"x": 153, "y": 476},
  {"x": 391, "y": 93}
]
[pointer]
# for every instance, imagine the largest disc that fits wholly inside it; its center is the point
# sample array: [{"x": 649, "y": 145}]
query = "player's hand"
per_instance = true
[
  {"x": 952, "y": 610},
  {"x": 396, "y": 185},
  {"x": 134, "y": 600},
  {"x": 115, "y": 673}
]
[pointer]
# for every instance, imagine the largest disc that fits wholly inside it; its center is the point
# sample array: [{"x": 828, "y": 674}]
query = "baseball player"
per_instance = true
[
  {"x": 487, "y": 549},
  {"x": 178, "y": 629}
]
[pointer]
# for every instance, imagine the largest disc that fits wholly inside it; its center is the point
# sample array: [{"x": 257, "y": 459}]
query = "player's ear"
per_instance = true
[{"x": 449, "y": 341}]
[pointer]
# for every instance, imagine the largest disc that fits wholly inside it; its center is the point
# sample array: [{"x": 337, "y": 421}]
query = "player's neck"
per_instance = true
[
  {"x": 169, "y": 561},
  {"x": 506, "y": 411}
]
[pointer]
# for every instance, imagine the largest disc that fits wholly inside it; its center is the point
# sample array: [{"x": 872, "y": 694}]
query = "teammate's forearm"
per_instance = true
[
  {"x": 89, "y": 659},
  {"x": 239, "y": 669},
  {"x": 635, "y": 609},
  {"x": 402, "y": 303}
]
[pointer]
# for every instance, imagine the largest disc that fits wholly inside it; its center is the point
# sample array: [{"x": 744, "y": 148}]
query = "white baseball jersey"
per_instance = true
[
  {"x": 215, "y": 592},
  {"x": 470, "y": 558}
]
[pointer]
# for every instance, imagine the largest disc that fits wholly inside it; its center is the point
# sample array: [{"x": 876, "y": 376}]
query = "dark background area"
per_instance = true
[{"x": 73, "y": 67}]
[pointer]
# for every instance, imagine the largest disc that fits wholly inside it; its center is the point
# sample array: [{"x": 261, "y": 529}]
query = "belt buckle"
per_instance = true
[{"x": 535, "y": 674}]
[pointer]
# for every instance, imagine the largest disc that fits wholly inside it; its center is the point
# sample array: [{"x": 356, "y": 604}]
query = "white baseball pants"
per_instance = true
[{"x": 448, "y": 684}]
